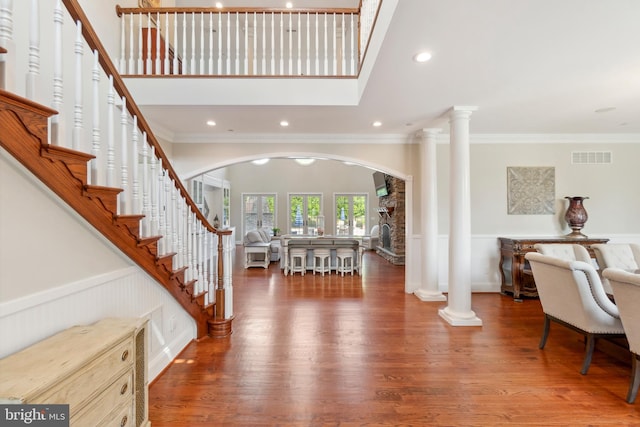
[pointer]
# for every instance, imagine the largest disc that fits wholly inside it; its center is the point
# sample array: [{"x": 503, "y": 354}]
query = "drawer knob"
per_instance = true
[
  {"x": 124, "y": 388},
  {"x": 123, "y": 421},
  {"x": 125, "y": 354}
]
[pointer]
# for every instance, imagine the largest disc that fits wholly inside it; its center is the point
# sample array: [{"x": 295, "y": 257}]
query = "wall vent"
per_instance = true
[{"x": 591, "y": 157}]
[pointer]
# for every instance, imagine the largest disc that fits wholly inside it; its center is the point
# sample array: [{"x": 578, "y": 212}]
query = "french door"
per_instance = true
[
  {"x": 350, "y": 214},
  {"x": 304, "y": 210},
  {"x": 258, "y": 211}
]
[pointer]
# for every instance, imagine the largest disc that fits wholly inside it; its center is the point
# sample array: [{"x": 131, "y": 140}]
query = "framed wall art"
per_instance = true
[{"x": 531, "y": 190}]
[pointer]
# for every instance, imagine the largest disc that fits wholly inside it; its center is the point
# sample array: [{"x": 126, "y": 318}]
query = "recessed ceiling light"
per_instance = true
[
  {"x": 605, "y": 109},
  {"x": 377, "y": 124},
  {"x": 284, "y": 123},
  {"x": 260, "y": 161},
  {"x": 219, "y": 5},
  {"x": 211, "y": 123},
  {"x": 289, "y": 5},
  {"x": 305, "y": 162},
  {"x": 422, "y": 57}
]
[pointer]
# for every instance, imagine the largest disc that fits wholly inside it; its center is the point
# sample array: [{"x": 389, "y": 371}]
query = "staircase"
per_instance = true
[{"x": 161, "y": 229}]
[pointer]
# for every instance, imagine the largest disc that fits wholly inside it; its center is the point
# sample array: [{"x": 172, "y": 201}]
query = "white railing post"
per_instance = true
[
  {"x": 124, "y": 167},
  {"x": 165, "y": 62},
  {"x": 34, "y": 51},
  {"x": 135, "y": 180},
  {"x": 192, "y": 67},
  {"x": 176, "y": 69},
  {"x": 132, "y": 63},
  {"x": 122, "y": 66},
  {"x": 153, "y": 191},
  {"x": 210, "y": 62},
  {"x": 146, "y": 190},
  {"x": 157, "y": 63},
  {"x": 77, "y": 105},
  {"x": 144, "y": 61},
  {"x": 57, "y": 124},
  {"x": 111, "y": 145},
  {"x": 95, "y": 122}
]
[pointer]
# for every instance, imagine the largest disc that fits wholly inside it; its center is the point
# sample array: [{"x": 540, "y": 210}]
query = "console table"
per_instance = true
[{"x": 514, "y": 268}]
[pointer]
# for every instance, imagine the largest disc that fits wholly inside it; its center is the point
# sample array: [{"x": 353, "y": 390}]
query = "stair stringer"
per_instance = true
[{"x": 24, "y": 134}]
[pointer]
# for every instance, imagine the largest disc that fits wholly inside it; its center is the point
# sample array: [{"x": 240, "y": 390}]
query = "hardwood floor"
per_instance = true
[{"x": 358, "y": 351}]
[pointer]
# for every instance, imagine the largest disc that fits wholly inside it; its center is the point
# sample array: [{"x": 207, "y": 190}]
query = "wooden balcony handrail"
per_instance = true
[{"x": 145, "y": 10}]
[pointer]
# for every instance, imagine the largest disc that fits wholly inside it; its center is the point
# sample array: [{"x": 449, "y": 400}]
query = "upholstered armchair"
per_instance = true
[
  {"x": 371, "y": 241},
  {"x": 571, "y": 294},
  {"x": 626, "y": 290},
  {"x": 624, "y": 256},
  {"x": 564, "y": 251}
]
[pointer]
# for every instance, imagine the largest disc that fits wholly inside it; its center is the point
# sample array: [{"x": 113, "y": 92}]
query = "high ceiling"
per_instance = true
[{"x": 530, "y": 66}]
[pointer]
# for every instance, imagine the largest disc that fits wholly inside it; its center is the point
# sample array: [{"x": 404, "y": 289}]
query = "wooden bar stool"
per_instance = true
[
  {"x": 322, "y": 261},
  {"x": 345, "y": 260},
  {"x": 298, "y": 261}
]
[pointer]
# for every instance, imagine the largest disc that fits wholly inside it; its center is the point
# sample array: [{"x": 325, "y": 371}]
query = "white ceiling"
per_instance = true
[{"x": 530, "y": 66}]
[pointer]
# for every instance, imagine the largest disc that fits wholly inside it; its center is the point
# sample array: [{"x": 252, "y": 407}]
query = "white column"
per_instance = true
[
  {"x": 429, "y": 290},
  {"x": 458, "y": 312}
]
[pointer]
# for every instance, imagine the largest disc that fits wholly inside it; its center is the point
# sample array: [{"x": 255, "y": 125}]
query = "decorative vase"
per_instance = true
[
  {"x": 216, "y": 222},
  {"x": 576, "y": 216}
]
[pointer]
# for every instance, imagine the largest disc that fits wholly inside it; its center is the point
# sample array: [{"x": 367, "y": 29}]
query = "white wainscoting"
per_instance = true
[
  {"x": 485, "y": 276},
  {"x": 124, "y": 293}
]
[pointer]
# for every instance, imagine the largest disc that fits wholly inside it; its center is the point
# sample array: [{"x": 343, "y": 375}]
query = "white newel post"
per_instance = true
[
  {"x": 458, "y": 312},
  {"x": 429, "y": 289}
]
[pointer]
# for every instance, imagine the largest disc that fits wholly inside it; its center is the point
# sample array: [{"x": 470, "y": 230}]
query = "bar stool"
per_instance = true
[
  {"x": 345, "y": 260},
  {"x": 298, "y": 261},
  {"x": 322, "y": 261}
]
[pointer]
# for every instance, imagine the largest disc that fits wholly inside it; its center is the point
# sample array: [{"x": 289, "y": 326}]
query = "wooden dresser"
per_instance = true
[
  {"x": 99, "y": 370},
  {"x": 514, "y": 269}
]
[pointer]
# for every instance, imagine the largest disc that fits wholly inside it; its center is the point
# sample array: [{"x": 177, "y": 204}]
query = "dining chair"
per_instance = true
[
  {"x": 571, "y": 294},
  {"x": 626, "y": 290}
]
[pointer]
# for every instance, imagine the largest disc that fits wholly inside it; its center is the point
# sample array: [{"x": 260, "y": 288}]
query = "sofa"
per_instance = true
[{"x": 261, "y": 238}]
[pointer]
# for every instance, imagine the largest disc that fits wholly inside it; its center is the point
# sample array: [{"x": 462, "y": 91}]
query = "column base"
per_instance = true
[
  {"x": 460, "y": 319},
  {"x": 424, "y": 295}
]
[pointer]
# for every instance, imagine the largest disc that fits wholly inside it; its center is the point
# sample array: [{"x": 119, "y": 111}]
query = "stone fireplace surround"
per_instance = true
[{"x": 391, "y": 221}]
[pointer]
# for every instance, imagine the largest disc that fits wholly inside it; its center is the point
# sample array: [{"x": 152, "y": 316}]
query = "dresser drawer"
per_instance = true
[
  {"x": 121, "y": 417},
  {"x": 85, "y": 384},
  {"x": 116, "y": 395}
]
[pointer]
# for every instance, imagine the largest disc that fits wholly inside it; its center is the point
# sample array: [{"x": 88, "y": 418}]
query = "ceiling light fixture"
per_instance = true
[
  {"x": 422, "y": 57},
  {"x": 211, "y": 123},
  {"x": 305, "y": 162},
  {"x": 260, "y": 162},
  {"x": 219, "y": 5},
  {"x": 377, "y": 124},
  {"x": 289, "y": 5},
  {"x": 284, "y": 123}
]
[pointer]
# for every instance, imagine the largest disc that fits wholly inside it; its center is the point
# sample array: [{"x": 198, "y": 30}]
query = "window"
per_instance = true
[
  {"x": 258, "y": 211},
  {"x": 304, "y": 210},
  {"x": 350, "y": 214}
]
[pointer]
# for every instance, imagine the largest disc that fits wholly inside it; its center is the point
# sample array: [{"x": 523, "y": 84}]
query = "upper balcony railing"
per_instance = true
[{"x": 245, "y": 42}]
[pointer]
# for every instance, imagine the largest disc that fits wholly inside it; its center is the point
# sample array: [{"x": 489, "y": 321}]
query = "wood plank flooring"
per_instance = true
[{"x": 358, "y": 351}]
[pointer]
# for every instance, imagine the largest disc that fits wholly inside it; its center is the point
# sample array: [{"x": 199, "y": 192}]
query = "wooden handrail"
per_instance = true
[
  {"x": 94, "y": 43},
  {"x": 145, "y": 10}
]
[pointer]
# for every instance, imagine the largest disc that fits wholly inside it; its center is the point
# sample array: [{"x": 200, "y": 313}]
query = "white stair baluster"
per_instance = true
[
  {"x": 317, "y": 47},
  {"x": 146, "y": 189},
  {"x": 211, "y": 30},
  {"x": 264, "y": 44},
  {"x": 281, "y": 43},
  {"x": 162, "y": 211},
  {"x": 184, "y": 44},
  {"x": 228, "y": 66},
  {"x": 237, "y": 59},
  {"x": 123, "y": 37},
  {"x": 132, "y": 63},
  {"x": 193, "y": 69},
  {"x": 219, "y": 66},
  {"x": 153, "y": 193},
  {"x": 335, "y": 48},
  {"x": 33, "y": 69},
  {"x": 135, "y": 179},
  {"x": 343, "y": 33},
  {"x": 174, "y": 219},
  {"x": 77, "y": 105},
  {"x": 156, "y": 63},
  {"x": 255, "y": 44},
  {"x": 290, "y": 45},
  {"x": 124, "y": 159},
  {"x": 57, "y": 122},
  {"x": 95, "y": 122},
  {"x": 178, "y": 230},
  {"x": 246, "y": 44},
  {"x": 201, "y": 69},
  {"x": 299, "y": 70},
  {"x": 308, "y": 68},
  {"x": 354, "y": 49},
  {"x": 165, "y": 61},
  {"x": 176, "y": 69},
  {"x": 273, "y": 44},
  {"x": 326, "y": 46},
  {"x": 148, "y": 63},
  {"x": 111, "y": 149},
  {"x": 139, "y": 63},
  {"x": 205, "y": 270}
]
